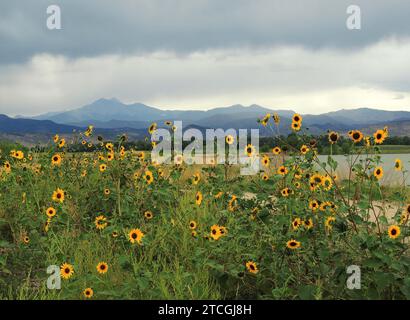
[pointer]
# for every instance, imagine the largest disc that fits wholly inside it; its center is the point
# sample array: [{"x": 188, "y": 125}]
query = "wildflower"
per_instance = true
[
  {"x": 192, "y": 224},
  {"x": 282, "y": 170},
  {"x": 265, "y": 160},
  {"x": 249, "y": 150},
  {"x": 356, "y": 136},
  {"x": 7, "y": 167},
  {"x": 333, "y": 137},
  {"x": 397, "y": 165},
  {"x": 296, "y": 126},
  {"x": 198, "y": 198},
  {"x": 107, "y": 191},
  {"x": 229, "y": 139},
  {"x": 297, "y": 118},
  {"x": 100, "y": 222},
  {"x": 276, "y": 118},
  {"x": 296, "y": 223},
  {"x": 148, "y": 215},
  {"x": 149, "y": 178},
  {"x": 135, "y": 235},
  {"x": 329, "y": 222},
  {"x": 264, "y": 177},
  {"x": 103, "y": 167},
  {"x": 61, "y": 144},
  {"x": 102, "y": 267},
  {"x": 378, "y": 173},
  {"x": 66, "y": 271},
  {"x": 56, "y": 138},
  {"x": 88, "y": 293},
  {"x": 56, "y": 160},
  {"x": 304, "y": 149},
  {"x": 308, "y": 223},
  {"x": 393, "y": 232},
  {"x": 51, "y": 212},
  {"x": 196, "y": 178},
  {"x": 152, "y": 128},
  {"x": 252, "y": 267},
  {"x": 293, "y": 244},
  {"x": 276, "y": 150},
  {"x": 215, "y": 232},
  {"x": 285, "y": 192},
  {"x": 58, "y": 195},
  {"x": 379, "y": 136}
]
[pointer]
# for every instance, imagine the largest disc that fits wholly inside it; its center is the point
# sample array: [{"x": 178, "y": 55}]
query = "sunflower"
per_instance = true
[
  {"x": 88, "y": 293},
  {"x": 265, "y": 161},
  {"x": 264, "y": 177},
  {"x": 83, "y": 142},
  {"x": 148, "y": 215},
  {"x": 293, "y": 244},
  {"x": 141, "y": 155},
  {"x": 107, "y": 191},
  {"x": 282, "y": 170},
  {"x": 215, "y": 232},
  {"x": 152, "y": 128},
  {"x": 393, "y": 232},
  {"x": 356, "y": 136},
  {"x": 19, "y": 155},
  {"x": 304, "y": 149},
  {"x": 296, "y": 223},
  {"x": 232, "y": 203},
  {"x": 316, "y": 180},
  {"x": 110, "y": 156},
  {"x": 114, "y": 234},
  {"x": 192, "y": 224},
  {"x": 229, "y": 139},
  {"x": 398, "y": 165},
  {"x": 149, "y": 178},
  {"x": 249, "y": 150},
  {"x": 276, "y": 118},
  {"x": 252, "y": 267},
  {"x": 109, "y": 146},
  {"x": 102, "y": 267},
  {"x": 276, "y": 150},
  {"x": 378, "y": 173},
  {"x": 61, "y": 144},
  {"x": 66, "y": 271},
  {"x": 333, "y": 137},
  {"x": 51, "y": 212},
  {"x": 285, "y": 192},
  {"x": 135, "y": 235},
  {"x": 25, "y": 239},
  {"x": 168, "y": 123},
  {"x": 379, "y": 136},
  {"x": 223, "y": 230},
  {"x": 296, "y": 126},
  {"x": 58, "y": 195},
  {"x": 56, "y": 160},
  {"x": 327, "y": 183},
  {"x": 100, "y": 222},
  {"x": 196, "y": 178},
  {"x": 56, "y": 138},
  {"x": 329, "y": 222},
  {"x": 103, "y": 167},
  {"x": 7, "y": 166},
  {"x": 198, "y": 198},
  {"x": 308, "y": 223},
  {"x": 264, "y": 121},
  {"x": 297, "y": 118}
]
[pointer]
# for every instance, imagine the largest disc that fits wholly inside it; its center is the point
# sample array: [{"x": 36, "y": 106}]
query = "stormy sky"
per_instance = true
[{"x": 199, "y": 54}]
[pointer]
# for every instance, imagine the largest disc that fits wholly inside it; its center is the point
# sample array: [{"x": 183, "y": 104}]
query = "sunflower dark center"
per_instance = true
[
  {"x": 356, "y": 135},
  {"x": 67, "y": 270}
]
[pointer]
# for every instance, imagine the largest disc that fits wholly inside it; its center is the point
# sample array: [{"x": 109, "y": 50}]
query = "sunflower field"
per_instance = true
[{"x": 120, "y": 226}]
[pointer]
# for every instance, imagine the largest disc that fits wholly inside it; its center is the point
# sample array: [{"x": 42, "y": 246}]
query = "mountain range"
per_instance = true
[{"x": 112, "y": 116}]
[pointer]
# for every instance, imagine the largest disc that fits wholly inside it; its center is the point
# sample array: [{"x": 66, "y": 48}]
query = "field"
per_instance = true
[
  {"x": 119, "y": 226},
  {"x": 394, "y": 149}
]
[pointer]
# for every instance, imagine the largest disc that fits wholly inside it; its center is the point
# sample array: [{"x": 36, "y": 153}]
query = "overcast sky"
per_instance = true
[{"x": 199, "y": 54}]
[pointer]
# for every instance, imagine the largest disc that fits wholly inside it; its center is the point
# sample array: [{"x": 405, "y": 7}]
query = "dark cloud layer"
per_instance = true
[{"x": 97, "y": 27}]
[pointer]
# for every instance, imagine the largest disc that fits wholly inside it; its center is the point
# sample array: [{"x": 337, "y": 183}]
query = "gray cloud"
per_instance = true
[{"x": 97, "y": 27}]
